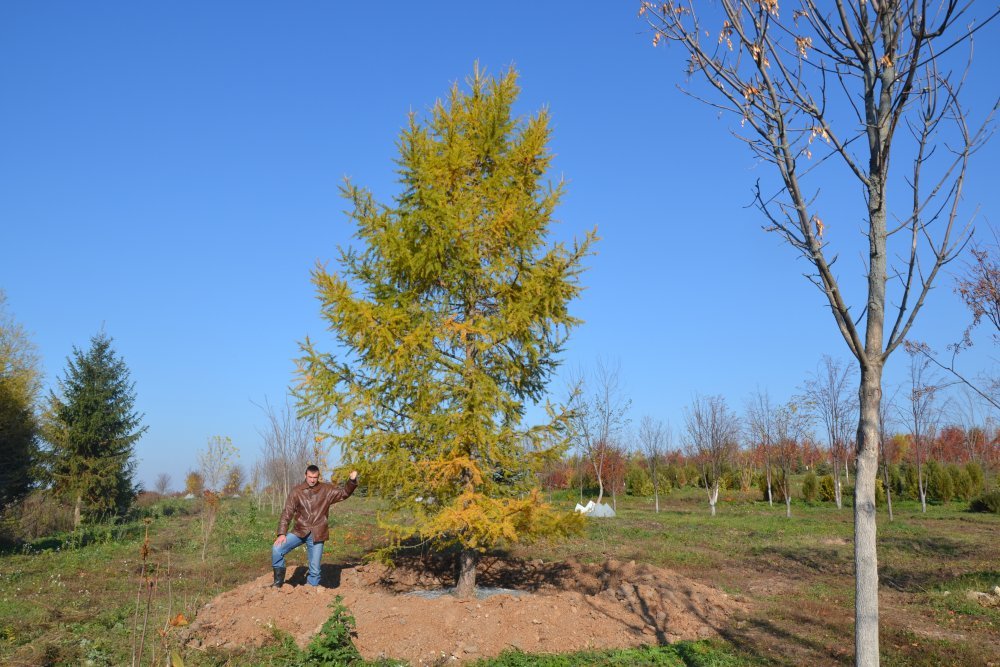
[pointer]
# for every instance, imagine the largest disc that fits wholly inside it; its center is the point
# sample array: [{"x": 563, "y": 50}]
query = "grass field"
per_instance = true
[{"x": 94, "y": 599}]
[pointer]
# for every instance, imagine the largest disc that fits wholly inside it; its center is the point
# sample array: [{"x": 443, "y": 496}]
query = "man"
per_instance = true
[{"x": 309, "y": 504}]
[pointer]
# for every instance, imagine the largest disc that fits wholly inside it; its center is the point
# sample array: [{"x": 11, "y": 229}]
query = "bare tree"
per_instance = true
[
  {"x": 760, "y": 426},
  {"x": 712, "y": 435},
  {"x": 289, "y": 445},
  {"x": 792, "y": 424},
  {"x": 615, "y": 468},
  {"x": 216, "y": 460},
  {"x": 821, "y": 92},
  {"x": 979, "y": 289},
  {"x": 600, "y": 418},
  {"x": 970, "y": 412},
  {"x": 577, "y": 426},
  {"x": 922, "y": 415},
  {"x": 829, "y": 393},
  {"x": 745, "y": 461},
  {"x": 654, "y": 438},
  {"x": 258, "y": 483},
  {"x": 162, "y": 483},
  {"x": 885, "y": 410}
]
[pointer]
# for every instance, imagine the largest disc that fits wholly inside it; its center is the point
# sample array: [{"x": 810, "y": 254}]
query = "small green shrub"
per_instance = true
[
  {"x": 333, "y": 645},
  {"x": 810, "y": 487},
  {"x": 976, "y": 476},
  {"x": 41, "y": 514},
  {"x": 988, "y": 502},
  {"x": 825, "y": 490},
  {"x": 961, "y": 481},
  {"x": 910, "y": 487},
  {"x": 939, "y": 484},
  {"x": 638, "y": 482},
  {"x": 691, "y": 475},
  {"x": 665, "y": 484},
  {"x": 895, "y": 480}
]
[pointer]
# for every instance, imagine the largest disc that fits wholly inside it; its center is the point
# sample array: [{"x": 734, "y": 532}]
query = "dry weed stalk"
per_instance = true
[{"x": 147, "y": 581}]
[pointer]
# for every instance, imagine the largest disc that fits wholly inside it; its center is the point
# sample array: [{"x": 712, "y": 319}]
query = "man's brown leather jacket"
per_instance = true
[{"x": 310, "y": 505}]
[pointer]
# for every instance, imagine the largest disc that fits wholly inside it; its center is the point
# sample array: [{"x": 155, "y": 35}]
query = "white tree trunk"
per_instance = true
[
  {"x": 836, "y": 484},
  {"x": 888, "y": 491},
  {"x": 922, "y": 488},
  {"x": 713, "y": 496},
  {"x": 866, "y": 651},
  {"x": 770, "y": 497}
]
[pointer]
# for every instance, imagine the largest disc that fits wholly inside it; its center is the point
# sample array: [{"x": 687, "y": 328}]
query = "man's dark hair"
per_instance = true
[{"x": 313, "y": 468}]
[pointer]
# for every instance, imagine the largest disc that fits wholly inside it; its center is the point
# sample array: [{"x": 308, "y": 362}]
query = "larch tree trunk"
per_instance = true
[{"x": 465, "y": 587}]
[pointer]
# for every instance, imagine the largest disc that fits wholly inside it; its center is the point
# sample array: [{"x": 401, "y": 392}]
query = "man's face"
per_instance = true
[{"x": 312, "y": 478}]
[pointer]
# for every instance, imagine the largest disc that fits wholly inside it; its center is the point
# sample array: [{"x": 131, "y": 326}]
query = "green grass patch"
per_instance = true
[
  {"x": 700, "y": 654},
  {"x": 72, "y": 598}
]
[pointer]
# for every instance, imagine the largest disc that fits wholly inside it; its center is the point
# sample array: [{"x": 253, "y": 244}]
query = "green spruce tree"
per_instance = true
[
  {"x": 20, "y": 385},
  {"x": 92, "y": 429},
  {"x": 450, "y": 318}
]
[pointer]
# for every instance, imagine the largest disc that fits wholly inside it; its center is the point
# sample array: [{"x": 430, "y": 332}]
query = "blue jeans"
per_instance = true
[{"x": 314, "y": 552}]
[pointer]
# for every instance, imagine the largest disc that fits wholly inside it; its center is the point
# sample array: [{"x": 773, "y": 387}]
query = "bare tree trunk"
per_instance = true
[
  {"x": 836, "y": 482},
  {"x": 713, "y": 496},
  {"x": 921, "y": 485},
  {"x": 770, "y": 497},
  {"x": 923, "y": 494},
  {"x": 76, "y": 511},
  {"x": 866, "y": 642},
  {"x": 465, "y": 588},
  {"x": 888, "y": 491}
]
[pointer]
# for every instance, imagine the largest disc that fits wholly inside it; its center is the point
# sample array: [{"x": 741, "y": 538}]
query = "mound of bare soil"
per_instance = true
[{"x": 557, "y": 608}]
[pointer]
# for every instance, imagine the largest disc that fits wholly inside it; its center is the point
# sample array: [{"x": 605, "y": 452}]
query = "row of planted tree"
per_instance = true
[
  {"x": 630, "y": 475},
  {"x": 923, "y": 455}
]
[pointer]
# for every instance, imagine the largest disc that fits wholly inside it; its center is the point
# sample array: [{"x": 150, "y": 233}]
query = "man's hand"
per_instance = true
[
  {"x": 354, "y": 475},
  {"x": 281, "y": 540}
]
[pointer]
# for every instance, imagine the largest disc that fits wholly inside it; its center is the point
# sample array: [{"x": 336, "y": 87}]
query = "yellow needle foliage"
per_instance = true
[{"x": 449, "y": 316}]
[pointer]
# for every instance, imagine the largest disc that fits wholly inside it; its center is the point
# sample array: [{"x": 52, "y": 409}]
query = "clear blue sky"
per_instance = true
[{"x": 170, "y": 172}]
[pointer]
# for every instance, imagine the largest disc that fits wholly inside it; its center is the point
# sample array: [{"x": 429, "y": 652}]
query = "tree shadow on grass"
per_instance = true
[
  {"x": 418, "y": 569},
  {"x": 772, "y": 643},
  {"x": 814, "y": 559},
  {"x": 935, "y": 546}
]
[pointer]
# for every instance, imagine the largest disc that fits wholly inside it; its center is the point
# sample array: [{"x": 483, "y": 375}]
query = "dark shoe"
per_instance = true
[{"x": 279, "y": 577}]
